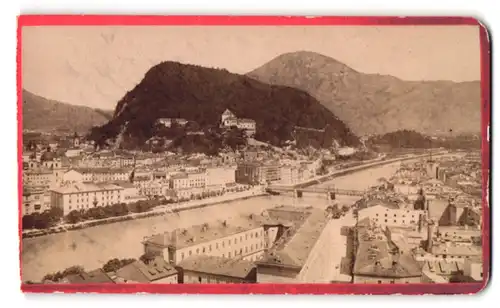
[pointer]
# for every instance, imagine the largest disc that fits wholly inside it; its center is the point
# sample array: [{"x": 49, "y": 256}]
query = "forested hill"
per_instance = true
[{"x": 199, "y": 94}]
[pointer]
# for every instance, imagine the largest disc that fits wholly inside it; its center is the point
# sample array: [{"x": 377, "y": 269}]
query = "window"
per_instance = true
[
  {"x": 386, "y": 215},
  {"x": 209, "y": 247},
  {"x": 223, "y": 255},
  {"x": 246, "y": 236},
  {"x": 241, "y": 239},
  {"x": 251, "y": 235},
  {"x": 199, "y": 279},
  {"x": 376, "y": 214},
  {"x": 386, "y": 220},
  {"x": 251, "y": 247},
  {"x": 182, "y": 256},
  {"x": 246, "y": 249},
  {"x": 236, "y": 241},
  {"x": 222, "y": 244},
  {"x": 394, "y": 220},
  {"x": 392, "y": 281},
  {"x": 203, "y": 249},
  {"x": 190, "y": 253},
  {"x": 229, "y": 255},
  {"x": 197, "y": 250},
  {"x": 379, "y": 282},
  {"x": 256, "y": 234}
]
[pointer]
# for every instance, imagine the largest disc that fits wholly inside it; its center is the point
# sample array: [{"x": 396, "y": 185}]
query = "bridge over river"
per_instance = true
[{"x": 329, "y": 192}]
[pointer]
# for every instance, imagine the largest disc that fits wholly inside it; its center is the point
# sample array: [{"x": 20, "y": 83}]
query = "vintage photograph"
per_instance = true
[{"x": 251, "y": 155}]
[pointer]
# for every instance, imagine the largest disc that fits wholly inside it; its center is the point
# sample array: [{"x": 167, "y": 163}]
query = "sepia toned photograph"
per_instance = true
[{"x": 343, "y": 154}]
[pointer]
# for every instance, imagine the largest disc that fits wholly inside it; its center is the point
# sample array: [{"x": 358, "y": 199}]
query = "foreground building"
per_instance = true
[
  {"x": 378, "y": 260},
  {"x": 303, "y": 252},
  {"x": 97, "y": 276},
  {"x": 242, "y": 237},
  {"x": 212, "y": 269},
  {"x": 151, "y": 271}
]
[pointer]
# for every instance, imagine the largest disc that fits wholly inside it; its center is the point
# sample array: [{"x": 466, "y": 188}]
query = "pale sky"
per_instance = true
[{"x": 96, "y": 65}]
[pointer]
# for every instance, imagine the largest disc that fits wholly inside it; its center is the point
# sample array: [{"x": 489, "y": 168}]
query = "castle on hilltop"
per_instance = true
[{"x": 228, "y": 119}]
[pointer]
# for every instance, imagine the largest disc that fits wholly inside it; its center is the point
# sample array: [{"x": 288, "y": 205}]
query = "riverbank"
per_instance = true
[
  {"x": 377, "y": 162},
  {"x": 194, "y": 204},
  {"x": 157, "y": 211}
]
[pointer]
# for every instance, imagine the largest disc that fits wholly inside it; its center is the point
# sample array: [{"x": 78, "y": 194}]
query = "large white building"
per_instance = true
[
  {"x": 221, "y": 176},
  {"x": 83, "y": 196},
  {"x": 96, "y": 175},
  {"x": 242, "y": 237},
  {"x": 391, "y": 216},
  {"x": 187, "y": 180},
  {"x": 228, "y": 119}
]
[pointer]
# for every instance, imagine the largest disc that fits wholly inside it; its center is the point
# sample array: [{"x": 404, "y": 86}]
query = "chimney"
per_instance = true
[
  {"x": 430, "y": 231},
  {"x": 166, "y": 238},
  {"x": 420, "y": 222},
  {"x": 173, "y": 236}
]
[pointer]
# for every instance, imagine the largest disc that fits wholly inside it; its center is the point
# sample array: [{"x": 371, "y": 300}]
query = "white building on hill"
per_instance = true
[{"x": 228, "y": 119}]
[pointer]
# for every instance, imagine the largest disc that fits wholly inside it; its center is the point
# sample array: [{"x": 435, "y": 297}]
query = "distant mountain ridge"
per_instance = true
[
  {"x": 377, "y": 104},
  {"x": 43, "y": 114},
  {"x": 200, "y": 94}
]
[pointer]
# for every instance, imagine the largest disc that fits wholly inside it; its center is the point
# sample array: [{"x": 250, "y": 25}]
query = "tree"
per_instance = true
[
  {"x": 115, "y": 264},
  {"x": 74, "y": 217},
  {"x": 235, "y": 138},
  {"x": 72, "y": 270},
  {"x": 28, "y": 222},
  {"x": 147, "y": 257}
]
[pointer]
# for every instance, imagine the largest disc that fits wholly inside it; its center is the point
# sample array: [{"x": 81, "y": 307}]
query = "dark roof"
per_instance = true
[
  {"x": 377, "y": 257},
  {"x": 217, "y": 266},
  {"x": 294, "y": 247},
  {"x": 95, "y": 276},
  {"x": 138, "y": 271},
  {"x": 103, "y": 170}
]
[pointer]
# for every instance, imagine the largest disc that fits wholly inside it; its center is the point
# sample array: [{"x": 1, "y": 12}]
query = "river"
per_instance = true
[{"x": 92, "y": 247}]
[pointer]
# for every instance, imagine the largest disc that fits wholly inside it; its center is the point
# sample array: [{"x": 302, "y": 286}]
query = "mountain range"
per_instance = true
[
  {"x": 302, "y": 88},
  {"x": 201, "y": 95},
  {"x": 376, "y": 104},
  {"x": 44, "y": 114}
]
